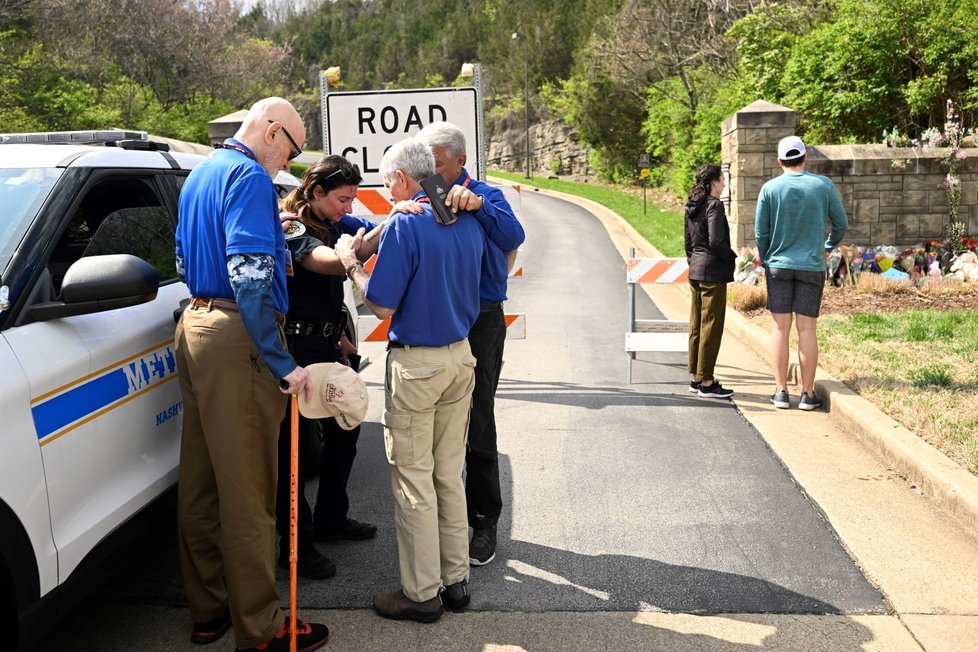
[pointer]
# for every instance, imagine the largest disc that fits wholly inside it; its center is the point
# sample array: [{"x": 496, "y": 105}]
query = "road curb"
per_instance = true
[{"x": 953, "y": 488}]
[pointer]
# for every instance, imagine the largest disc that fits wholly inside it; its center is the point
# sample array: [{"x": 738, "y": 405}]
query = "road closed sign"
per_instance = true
[{"x": 361, "y": 126}]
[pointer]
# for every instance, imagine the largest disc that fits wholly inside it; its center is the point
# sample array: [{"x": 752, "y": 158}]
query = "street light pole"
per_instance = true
[{"x": 519, "y": 36}]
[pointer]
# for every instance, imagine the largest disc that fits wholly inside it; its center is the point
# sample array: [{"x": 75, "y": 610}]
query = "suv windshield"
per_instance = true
[{"x": 22, "y": 191}]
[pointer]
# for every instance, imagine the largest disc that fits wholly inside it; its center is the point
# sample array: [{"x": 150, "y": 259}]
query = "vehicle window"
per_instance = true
[
  {"x": 118, "y": 216},
  {"x": 22, "y": 191}
]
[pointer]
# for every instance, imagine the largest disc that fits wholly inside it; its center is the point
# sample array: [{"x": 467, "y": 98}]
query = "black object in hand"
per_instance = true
[{"x": 437, "y": 191}]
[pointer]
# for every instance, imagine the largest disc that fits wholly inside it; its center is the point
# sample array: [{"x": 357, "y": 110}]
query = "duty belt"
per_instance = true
[{"x": 331, "y": 330}]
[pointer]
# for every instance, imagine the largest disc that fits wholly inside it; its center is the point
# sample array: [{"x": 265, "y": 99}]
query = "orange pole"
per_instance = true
[{"x": 293, "y": 519}]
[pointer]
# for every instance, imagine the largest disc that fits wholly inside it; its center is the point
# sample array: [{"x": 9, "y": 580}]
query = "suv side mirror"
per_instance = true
[{"x": 97, "y": 283}]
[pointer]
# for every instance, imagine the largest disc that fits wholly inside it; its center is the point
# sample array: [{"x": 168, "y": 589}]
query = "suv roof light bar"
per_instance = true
[{"x": 93, "y": 137}]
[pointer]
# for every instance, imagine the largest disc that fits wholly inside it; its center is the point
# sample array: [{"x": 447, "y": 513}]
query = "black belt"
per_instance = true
[
  {"x": 492, "y": 307},
  {"x": 328, "y": 329},
  {"x": 394, "y": 345}
]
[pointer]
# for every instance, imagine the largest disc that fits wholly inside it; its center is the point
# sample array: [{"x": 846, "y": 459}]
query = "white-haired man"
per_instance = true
[
  {"x": 426, "y": 279},
  {"x": 488, "y": 335}
]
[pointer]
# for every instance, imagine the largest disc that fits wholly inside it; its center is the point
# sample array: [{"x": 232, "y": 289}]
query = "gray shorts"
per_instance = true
[{"x": 790, "y": 290}]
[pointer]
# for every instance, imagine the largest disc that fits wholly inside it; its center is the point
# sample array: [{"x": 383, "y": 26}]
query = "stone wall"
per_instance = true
[
  {"x": 554, "y": 150},
  {"x": 893, "y": 196}
]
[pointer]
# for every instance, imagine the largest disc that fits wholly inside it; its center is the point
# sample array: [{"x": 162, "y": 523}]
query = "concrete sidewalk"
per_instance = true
[{"x": 907, "y": 514}]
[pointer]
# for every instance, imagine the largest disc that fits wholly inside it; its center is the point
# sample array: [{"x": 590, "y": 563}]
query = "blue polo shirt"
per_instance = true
[
  {"x": 504, "y": 233},
  {"x": 429, "y": 274},
  {"x": 228, "y": 205}
]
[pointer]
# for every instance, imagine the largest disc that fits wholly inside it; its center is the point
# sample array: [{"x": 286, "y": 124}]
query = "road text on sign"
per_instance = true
[{"x": 363, "y": 125}]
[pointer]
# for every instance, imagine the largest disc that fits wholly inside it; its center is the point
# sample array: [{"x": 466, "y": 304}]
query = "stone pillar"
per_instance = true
[{"x": 749, "y": 149}]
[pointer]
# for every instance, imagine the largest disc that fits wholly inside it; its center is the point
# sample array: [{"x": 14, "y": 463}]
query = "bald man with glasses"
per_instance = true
[{"x": 235, "y": 374}]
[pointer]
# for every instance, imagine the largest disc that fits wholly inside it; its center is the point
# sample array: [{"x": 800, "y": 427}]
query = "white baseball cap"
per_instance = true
[
  {"x": 790, "y": 147},
  {"x": 338, "y": 391}
]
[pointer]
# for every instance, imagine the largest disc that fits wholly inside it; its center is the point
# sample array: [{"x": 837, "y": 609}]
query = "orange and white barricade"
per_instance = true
[
  {"x": 654, "y": 334},
  {"x": 373, "y": 329}
]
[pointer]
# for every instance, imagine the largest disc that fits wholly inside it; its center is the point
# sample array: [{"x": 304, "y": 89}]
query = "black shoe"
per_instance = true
[
  {"x": 809, "y": 401},
  {"x": 211, "y": 631},
  {"x": 311, "y": 564},
  {"x": 397, "y": 606},
  {"x": 694, "y": 386},
  {"x": 714, "y": 390},
  {"x": 308, "y": 637},
  {"x": 780, "y": 399},
  {"x": 482, "y": 549},
  {"x": 456, "y": 596},
  {"x": 350, "y": 530}
]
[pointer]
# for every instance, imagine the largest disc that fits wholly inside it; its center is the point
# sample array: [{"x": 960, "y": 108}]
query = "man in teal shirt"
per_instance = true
[{"x": 789, "y": 227}]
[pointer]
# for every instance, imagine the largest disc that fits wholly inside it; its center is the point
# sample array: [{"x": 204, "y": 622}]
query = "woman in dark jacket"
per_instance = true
[{"x": 711, "y": 267}]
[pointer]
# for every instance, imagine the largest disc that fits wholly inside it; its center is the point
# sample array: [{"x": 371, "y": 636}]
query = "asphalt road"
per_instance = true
[{"x": 619, "y": 498}]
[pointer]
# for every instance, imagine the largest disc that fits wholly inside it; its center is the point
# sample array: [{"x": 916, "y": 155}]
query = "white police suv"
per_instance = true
[{"x": 90, "y": 407}]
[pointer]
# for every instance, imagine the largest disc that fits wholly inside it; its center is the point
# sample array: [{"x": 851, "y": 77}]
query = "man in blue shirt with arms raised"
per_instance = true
[
  {"x": 789, "y": 226},
  {"x": 488, "y": 335},
  {"x": 426, "y": 279}
]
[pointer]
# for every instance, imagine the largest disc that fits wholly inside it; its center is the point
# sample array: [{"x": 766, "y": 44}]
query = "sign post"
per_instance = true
[{"x": 643, "y": 164}]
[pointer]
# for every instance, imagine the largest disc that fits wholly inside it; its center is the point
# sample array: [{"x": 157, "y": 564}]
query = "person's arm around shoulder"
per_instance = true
[{"x": 493, "y": 213}]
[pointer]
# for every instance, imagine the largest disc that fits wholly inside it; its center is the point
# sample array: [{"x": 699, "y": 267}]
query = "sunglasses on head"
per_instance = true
[
  {"x": 347, "y": 172},
  {"x": 296, "y": 150}
]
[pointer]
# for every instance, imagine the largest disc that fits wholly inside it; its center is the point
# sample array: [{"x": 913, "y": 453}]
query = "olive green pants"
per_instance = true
[{"x": 707, "y": 311}]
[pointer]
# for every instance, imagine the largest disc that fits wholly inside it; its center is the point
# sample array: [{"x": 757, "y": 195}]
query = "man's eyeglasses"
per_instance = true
[
  {"x": 349, "y": 173},
  {"x": 296, "y": 150}
]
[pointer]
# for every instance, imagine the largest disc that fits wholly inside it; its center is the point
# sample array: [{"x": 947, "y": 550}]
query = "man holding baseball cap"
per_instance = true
[{"x": 789, "y": 227}]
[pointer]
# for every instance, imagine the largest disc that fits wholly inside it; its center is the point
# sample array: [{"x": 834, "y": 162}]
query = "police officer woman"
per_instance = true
[{"x": 315, "y": 331}]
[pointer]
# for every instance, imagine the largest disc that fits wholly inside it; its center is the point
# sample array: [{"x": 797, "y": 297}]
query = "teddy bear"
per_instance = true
[{"x": 965, "y": 266}]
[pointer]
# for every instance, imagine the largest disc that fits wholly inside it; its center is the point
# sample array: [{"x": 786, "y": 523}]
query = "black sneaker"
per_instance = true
[
  {"x": 694, "y": 386},
  {"x": 349, "y": 530},
  {"x": 211, "y": 631},
  {"x": 308, "y": 637},
  {"x": 456, "y": 596},
  {"x": 311, "y": 564},
  {"x": 482, "y": 548},
  {"x": 809, "y": 401},
  {"x": 780, "y": 399},
  {"x": 715, "y": 390}
]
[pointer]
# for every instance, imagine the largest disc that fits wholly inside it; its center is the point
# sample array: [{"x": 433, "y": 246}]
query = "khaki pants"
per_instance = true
[
  {"x": 707, "y": 312},
  {"x": 232, "y": 408},
  {"x": 426, "y": 414}
]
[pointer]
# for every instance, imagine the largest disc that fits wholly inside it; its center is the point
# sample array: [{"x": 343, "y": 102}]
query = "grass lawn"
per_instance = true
[
  {"x": 661, "y": 227},
  {"x": 918, "y": 366}
]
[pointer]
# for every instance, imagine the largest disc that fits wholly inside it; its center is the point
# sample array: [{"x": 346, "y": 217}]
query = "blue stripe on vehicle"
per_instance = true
[{"x": 58, "y": 413}]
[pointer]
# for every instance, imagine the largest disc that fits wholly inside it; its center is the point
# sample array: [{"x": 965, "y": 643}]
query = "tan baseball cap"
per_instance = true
[{"x": 338, "y": 392}]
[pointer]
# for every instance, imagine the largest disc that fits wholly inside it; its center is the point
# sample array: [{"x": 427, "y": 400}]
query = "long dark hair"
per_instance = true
[
  {"x": 328, "y": 173},
  {"x": 705, "y": 177}
]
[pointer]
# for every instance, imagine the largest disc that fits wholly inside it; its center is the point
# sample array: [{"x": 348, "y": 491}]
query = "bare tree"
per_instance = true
[
  {"x": 650, "y": 42},
  {"x": 178, "y": 48}
]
